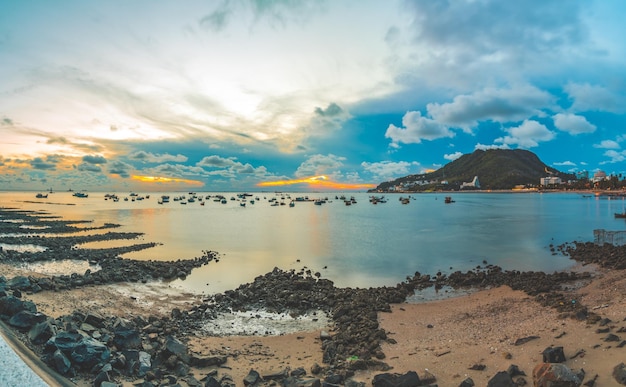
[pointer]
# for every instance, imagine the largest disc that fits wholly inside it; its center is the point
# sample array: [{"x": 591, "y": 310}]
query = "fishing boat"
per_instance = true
[
  {"x": 448, "y": 199},
  {"x": 621, "y": 215},
  {"x": 41, "y": 196}
]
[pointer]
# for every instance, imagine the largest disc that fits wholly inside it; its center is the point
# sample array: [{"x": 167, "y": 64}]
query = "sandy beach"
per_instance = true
[{"x": 453, "y": 339}]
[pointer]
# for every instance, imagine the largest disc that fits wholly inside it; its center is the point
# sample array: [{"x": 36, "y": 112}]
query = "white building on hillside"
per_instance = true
[{"x": 473, "y": 184}]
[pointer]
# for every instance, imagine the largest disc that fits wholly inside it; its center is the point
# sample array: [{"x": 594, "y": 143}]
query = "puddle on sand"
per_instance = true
[
  {"x": 26, "y": 248},
  {"x": 60, "y": 267},
  {"x": 264, "y": 323}
]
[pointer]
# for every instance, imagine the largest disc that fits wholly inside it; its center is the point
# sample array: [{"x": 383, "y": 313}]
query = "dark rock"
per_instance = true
[
  {"x": 514, "y": 370},
  {"x": 42, "y": 332},
  {"x": 334, "y": 379},
  {"x": 619, "y": 373},
  {"x": 298, "y": 372},
  {"x": 26, "y": 319},
  {"x": 212, "y": 382},
  {"x": 181, "y": 369},
  {"x": 553, "y": 355},
  {"x": 208, "y": 361},
  {"x": 555, "y": 375},
  {"x": 175, "y": 347},
  {"x": 89, "y": 352},
  {"x": 501, "y": 379},
  {"x": 252, "y": 378},
  {"x": 127, "y": 338},
  {"x": 19, "y": 282},
  {"x": 11, "y": 305},
  {"x": 95, "y": 319},
  {"x": 467, "y": 383},
  {"x": 61, "y": 363},
  {"x": 410, "y": 379},
  {"x": 65, "y": 341},
  {"x": 145, "y": 363},
  {"x": 611, "y": 337},
  {"x": 525, "y": 340}
]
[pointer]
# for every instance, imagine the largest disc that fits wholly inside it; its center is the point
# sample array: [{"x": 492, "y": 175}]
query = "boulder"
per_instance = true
[
  {"x": 208, "y": 361},
  {"x": 501, "y": 379},
  {"x": 42, "y": 332},
  {"x": 467, "y": 383},
  {"x": 252, "y": 379},
  {"x": 553, "y": 355},
  {"x": 127, "y": 339},
  {"x": 619, "y": 373},
  {"x": 175, "y": 347},
  {"x": 61, "y": 363},
  {"x": 64, "y": 341},
  {"x": 26, "y": 319},
  {"x": 410, "y": 379},
  {"x": 19, "y": 282},
  {"x": 555, "y": 375},
  {"x": 11, "y": 305},
  {"x": 94, "y": 319},
  {"x": 89, "y": 352},
  {"x": 145, "y": 363}
]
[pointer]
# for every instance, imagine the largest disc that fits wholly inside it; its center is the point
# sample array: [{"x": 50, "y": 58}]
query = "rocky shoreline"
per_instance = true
[{"x": 153, "y": 351}]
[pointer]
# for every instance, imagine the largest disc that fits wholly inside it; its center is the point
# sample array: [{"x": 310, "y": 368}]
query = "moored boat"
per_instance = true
[{"x": 621, "y": 215}]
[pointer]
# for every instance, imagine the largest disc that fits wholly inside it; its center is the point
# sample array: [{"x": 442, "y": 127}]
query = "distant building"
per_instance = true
[
  {"x": 472, "y": 184},
  {"x": 599, "y": 176},
  {"x": 550, "y": 180}
]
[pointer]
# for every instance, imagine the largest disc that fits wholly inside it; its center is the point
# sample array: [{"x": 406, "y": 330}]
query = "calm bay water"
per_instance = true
[{"x": 360, "y": 245}]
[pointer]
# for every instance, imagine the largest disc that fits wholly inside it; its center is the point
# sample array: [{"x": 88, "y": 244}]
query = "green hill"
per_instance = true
[{"x": 495, "y": 168}]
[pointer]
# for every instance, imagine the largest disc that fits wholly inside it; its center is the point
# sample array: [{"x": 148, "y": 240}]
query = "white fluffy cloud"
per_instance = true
[
  {"x": 416, "y": 128},
  {"x": 320, "y": 165},
  {"x": 499, "y": 105},
  {"x": 453, "y": 156},
  {"x": 573, "y": 124},
  {"x": 527, "y": 135},
  {"x": 389, "y": 169},
  {"x": 607, "y": 144},
  {"x": 588, "y": 97}
]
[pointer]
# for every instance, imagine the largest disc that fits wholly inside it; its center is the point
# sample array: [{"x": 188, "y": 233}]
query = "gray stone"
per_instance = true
[
  {"x": 619, "y": 373},
  {"x": 26, "y": 319}
]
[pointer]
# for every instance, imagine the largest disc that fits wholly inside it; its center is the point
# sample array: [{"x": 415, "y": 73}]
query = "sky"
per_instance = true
[{"x": 246, "y": 95}]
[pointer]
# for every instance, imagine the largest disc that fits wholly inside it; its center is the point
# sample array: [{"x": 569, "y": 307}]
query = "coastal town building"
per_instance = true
[
  {"x": 599, "y": 176},
  {"x": 472, "y": 184},
  {"x": 550, "y": 180}
]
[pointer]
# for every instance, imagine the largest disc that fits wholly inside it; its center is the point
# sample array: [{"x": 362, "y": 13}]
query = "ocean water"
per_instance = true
[{"x": 360, "y": 245}]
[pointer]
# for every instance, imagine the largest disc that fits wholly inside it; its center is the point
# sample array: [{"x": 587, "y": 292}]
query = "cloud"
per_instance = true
[
  {"x": 88, "y": 167},
  {"x": 453, "y": 156},
  {"x": 463, "y": 36},
  {"x": 480, "y": 146},
  {"x": 385, "y": 170},
  {"x": 47, "y": 164},
  {"x": 607, "y": 144},
  {"x": 320, "y": 165},
  {"x": 615, "y": 157},
  {"x": 565, "y": 164},
  {"x": 416, "y": 128},
  {"x": 230, "y": 167},
  {"x": 217, "y": 162},
  {"x": 573, "y": 124},
  {"x": 120, "y": 168},
  {"x": 499, "y": 105},
  {"x": 527, "y": 135},
  {"x": 595, "y": 98},
  {"x": 94, "y": 160},
  {"x": 148, "y": 157}
]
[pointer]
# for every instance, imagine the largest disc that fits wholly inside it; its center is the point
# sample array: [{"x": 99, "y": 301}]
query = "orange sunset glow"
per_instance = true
[
  {"x": 318, "y": 182},
  {"x": 166, "y": 180}
]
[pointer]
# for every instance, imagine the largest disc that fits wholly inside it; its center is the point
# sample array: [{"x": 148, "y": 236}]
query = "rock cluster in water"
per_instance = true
[{"x": 152, "y": 351}]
